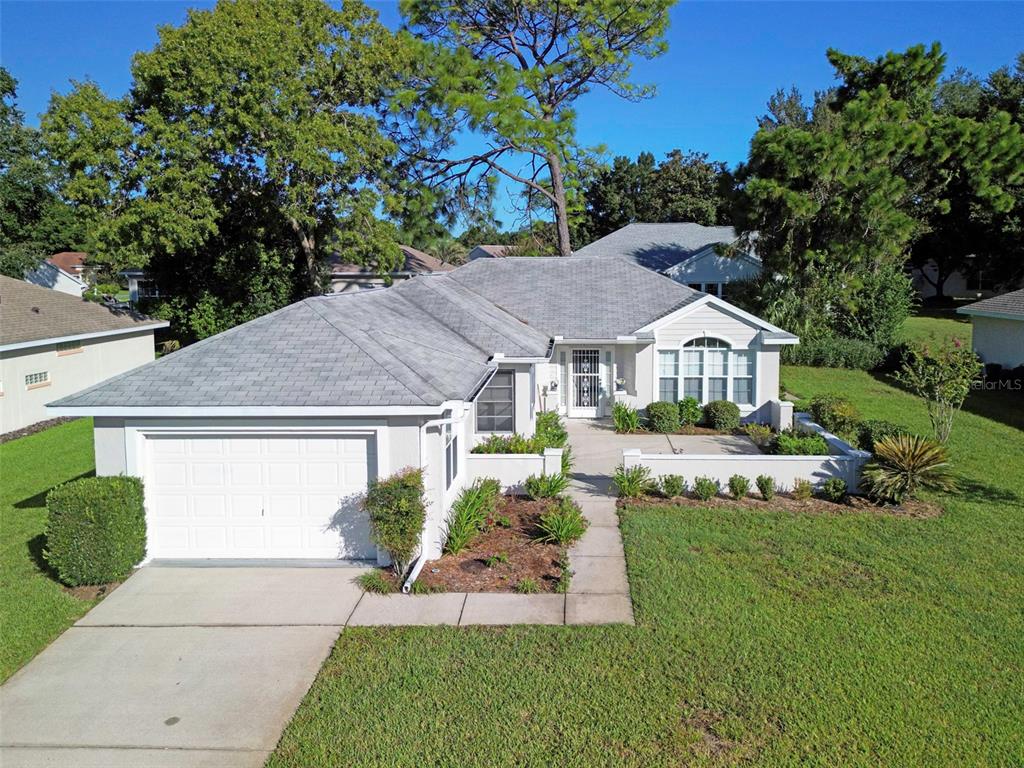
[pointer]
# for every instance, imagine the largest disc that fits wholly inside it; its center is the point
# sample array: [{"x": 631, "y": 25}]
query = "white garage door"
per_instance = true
[{"x": 259, "y": 496}]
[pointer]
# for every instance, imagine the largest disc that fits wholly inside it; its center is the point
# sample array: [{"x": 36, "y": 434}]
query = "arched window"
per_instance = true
[{"x": 710, "y": 370}]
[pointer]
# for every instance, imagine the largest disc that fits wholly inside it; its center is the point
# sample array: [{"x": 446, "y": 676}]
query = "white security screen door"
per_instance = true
[{"x": 586, "y": 382}]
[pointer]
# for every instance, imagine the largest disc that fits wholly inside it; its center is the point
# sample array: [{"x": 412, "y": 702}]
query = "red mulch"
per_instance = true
[
  {"x": 31, "y": 429},
  {"x": 786, "y": 503},
  {"x": 525, "y": 557}
]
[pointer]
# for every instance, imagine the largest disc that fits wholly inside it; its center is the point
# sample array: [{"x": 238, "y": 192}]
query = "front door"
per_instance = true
[{"x": 586, "y": 383}]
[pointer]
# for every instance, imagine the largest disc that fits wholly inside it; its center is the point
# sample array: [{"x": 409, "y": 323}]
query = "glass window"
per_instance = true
[
  {"x": 34, "y": 379},
  {"x": 694, "y": 388},
  {"x": 668, "y": 363},
  {"x": 451, "y": 455},
  {"x": 711, "y": 371},
  {"x": 495, "y": 407},
  {"x": 697, "y": 286},
  {"x": 743, "y": 378},
  {"x": 69, "y": 347},
  {"x": 668, "y": 373}
]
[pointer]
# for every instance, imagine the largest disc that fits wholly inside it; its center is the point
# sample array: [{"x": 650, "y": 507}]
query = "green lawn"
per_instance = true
[
  {"x": 764, "y": 639},
  {"x": 33, "y": 607},
  {"x": 938, "y": 324}
]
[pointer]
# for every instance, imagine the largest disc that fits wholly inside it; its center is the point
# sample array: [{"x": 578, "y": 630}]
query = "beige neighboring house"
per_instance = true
[
  {"x": 346, "y": 278},
  {"x": 490, "y": 252},
  {"x": 53, "y": 345},
  {"x": 997, "y": 326},
  {"x": 65, "y": 272}
]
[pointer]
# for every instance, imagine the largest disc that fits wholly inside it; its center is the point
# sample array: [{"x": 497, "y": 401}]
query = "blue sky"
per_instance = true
[{"x": 724, "y": 60}]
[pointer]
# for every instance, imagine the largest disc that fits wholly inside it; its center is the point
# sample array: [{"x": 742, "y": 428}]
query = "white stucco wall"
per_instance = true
[
  {"x": 999, "y": 341},
  {"x": 70, "y": 372}
]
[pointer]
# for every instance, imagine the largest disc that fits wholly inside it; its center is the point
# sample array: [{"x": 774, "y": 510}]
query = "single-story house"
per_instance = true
[
  {"x": 686, "y": 252},
  {"x": 489, "y": 252},
  {"x": 140, "y": 286},
  {"x": 998, "y": 328},
  {"x": 65, "y": 271},
  {"x": 356, "y": 277},
  {"x": 259, "y": 442},
  {"x": 53, "y": 344}
]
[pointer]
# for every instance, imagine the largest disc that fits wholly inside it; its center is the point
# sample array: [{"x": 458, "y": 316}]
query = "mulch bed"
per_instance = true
[
  {"x": 92, "y": 591},
  {"x": 784, "y": 502},
  {"x": 31, "y": 429},
  {"x": 525, "y": 557}
]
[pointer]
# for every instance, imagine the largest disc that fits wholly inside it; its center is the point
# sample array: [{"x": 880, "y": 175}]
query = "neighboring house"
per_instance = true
[
  {"x": 490, "y": 252},
  {"x": 53, "y": 344},
  {"x": 140, "y": 286},
  {"x": 686, "y": 252},
  {"x": 956, "y": 286},
  {"x": 48, "y": 275},
  {"x": 356, "y": 277},
  {"x": 259, "y": 442},
  {"x": 997, "y": 326}
]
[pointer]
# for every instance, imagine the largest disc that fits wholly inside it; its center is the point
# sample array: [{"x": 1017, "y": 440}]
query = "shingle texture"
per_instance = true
[
  {"x": 33, "y": 313},
  {"x": 422, "y": 342},
  {"x": 657, "y": 246},
  {"x": 1008, "y": 304},
  {"x": 577, "y": 298}
]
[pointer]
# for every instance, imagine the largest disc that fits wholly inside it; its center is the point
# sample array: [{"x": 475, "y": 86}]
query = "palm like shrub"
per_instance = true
[
  {"x": 564, "y": 524},
  {"x": 903, "y": 465},
  {"x": 626, "y": 419},
  {"x": 469, "y": 514},
  {"x": 545, "y": 486},
  {"x": 632, "y": 482}
]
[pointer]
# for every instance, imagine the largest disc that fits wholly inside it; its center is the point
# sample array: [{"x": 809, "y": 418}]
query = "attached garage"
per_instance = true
[{"x": 258, "y": 496}]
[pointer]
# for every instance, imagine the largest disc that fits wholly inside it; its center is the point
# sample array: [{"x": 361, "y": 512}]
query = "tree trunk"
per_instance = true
[
  {"x": 561, "y": 209},
  {"x": 307, "y": 243}
]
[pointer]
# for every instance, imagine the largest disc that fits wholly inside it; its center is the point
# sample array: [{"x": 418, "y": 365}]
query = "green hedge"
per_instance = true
[
  {"x": 550, "y": 433},
  {"x": 663, "y": 417},
  {"x": 397, "y": 512},
  {"x": 722, "y": 415},
  {"x": 96, "y": 530}
]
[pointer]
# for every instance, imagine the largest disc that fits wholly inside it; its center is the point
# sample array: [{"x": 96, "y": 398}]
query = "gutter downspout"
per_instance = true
[{"x": 422, "y": 558}]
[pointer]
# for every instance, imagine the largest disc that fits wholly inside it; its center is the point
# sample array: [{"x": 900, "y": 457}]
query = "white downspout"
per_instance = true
[{"x": 422, "y": 558}]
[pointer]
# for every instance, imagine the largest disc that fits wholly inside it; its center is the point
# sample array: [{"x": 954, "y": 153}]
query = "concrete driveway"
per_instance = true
[{"x": 178, "y": 667}]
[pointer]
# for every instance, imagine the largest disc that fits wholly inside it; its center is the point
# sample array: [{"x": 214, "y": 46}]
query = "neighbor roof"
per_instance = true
[
  {"x": 658, "y": 246},
  {"x": 1009, "y": 306},
  {"x": 490, "y": 251},
  {"x": 414, "y": 261},
  {"x": 71, "y": 262},
  {"x": 30, "y": 313},
  {"x": 576, "y": 298}
]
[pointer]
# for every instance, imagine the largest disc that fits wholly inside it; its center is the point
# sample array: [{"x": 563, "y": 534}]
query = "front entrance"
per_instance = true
[{"x": 586, "y": 383}]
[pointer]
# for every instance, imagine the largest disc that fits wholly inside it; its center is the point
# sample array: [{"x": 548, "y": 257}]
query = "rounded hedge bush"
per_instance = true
[
  {"x": 663, "y": 417},
  {"x": 722, "y": 415},
  {"x": 96, "y": 531}
]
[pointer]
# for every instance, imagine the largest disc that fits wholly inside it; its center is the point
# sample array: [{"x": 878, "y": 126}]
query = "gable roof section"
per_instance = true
[
  {"x": 490, "y": 252},
  {"x": 72, "y": 262},
  {"x": 1008, "y": 306},
  {"x": 575, "y": 298},
  {"x": 414, "y": 262},
  {"x": 657, "y": 246},
  {"x": 31, "y": 314}
]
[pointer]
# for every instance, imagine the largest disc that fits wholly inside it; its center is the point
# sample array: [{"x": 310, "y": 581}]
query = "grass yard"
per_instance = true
[
  {"x": 939, "y": 324},
  {"x": 34, "y": 609},
  {"x": 763, "y": 639}
]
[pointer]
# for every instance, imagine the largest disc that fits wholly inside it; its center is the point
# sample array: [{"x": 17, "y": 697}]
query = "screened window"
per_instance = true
[
  {"x": 495, "y": 407},
  {"x": 668, "y": 375}
]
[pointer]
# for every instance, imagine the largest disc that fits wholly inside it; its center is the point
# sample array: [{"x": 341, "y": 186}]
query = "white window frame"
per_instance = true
[
  {"x": 731, "y": 353},
  {"x": 512, "y": 387},
  {"x": 703, "y": 286},
  {"x": 451, "y": 455}
]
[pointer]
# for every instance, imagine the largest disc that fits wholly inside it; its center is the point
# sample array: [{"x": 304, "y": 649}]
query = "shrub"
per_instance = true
[
  {"x": 565, "y": 577},
  {"x": 834, "y": 489},
  {"x": 704, "y": 488},
  {"x": 672, "y": 485},
  {"x": 564, "y": 524},
  {"x": 527, "y": 586},
  {"x": 493, "y": 561},
  {"x": 469, "y": 514},
  {"x": 766, "y": 485},
  {"x": 374, "y": 581},
  {"x": 508, "y": 444},
  {"x": 903, "y": 465},
  {"x": 835, "y": 413},
  {"x": 397, "y": 513},
  {"x": 545, "y": 486},
  {"x": 96, "y": 529},
  {"x": 760, "y": 434},
  {"x": 870, "y": 431},
  {"x": 790, "y": 443},
  {"x": 626, "y": 419},
  {"x": 802, "y": 490},
  {"x": 567, "y": 460},
  {"x": 420, "y": 588},
  {"x": 550, "y": 431},
  {"x": 834, "y": 352},
  {"x": 943, "y": 378},
  {"x": 739, "y": 487},
  {"x": 632, "y": 482},
  {"x": 690, "y": 412},
  {"x": 722, "y": 415},
  {"x": 663, "y": 417}
]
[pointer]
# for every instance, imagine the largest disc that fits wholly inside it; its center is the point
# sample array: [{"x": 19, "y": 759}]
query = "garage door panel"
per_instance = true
[{"x": 249, "y": 496}]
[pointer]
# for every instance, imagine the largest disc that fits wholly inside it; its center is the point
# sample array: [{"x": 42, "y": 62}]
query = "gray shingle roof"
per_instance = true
[
  {"x": 577, "y": 298},
  {"x": 657, "y": 246},
  {"x": 33, "y": 313},
  {"x": 1011, "y": 303}
]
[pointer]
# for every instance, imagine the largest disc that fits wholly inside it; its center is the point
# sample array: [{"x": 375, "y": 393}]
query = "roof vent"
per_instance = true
[{"x": 37, "y": 310}]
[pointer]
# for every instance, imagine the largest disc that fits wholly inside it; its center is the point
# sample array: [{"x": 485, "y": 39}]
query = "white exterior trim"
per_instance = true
[
  {"x": 988, "y": 313},
  {"x": 253, "y": 410},
  {"x": 82, "y": 336},
  {"x": 717, "y": 303}
]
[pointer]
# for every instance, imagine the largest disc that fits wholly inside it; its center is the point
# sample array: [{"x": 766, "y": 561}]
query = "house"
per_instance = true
[
  {"x": 356, "y": 277},
  {"x": 998, "y": 328},
  {"x": 259, "y": 442},
  {"x": 140, "y": 286},
  {"x": 489, "y": 252},
  {"x": 686, "y": 252},
  {"x": 65, "y": 271},
  {"x": 53, "y": 344}
]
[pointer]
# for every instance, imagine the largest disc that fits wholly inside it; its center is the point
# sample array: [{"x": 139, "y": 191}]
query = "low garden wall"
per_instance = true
[
  {"x": 845, "y": 462},
  {"x": 512, "y": 469}
]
